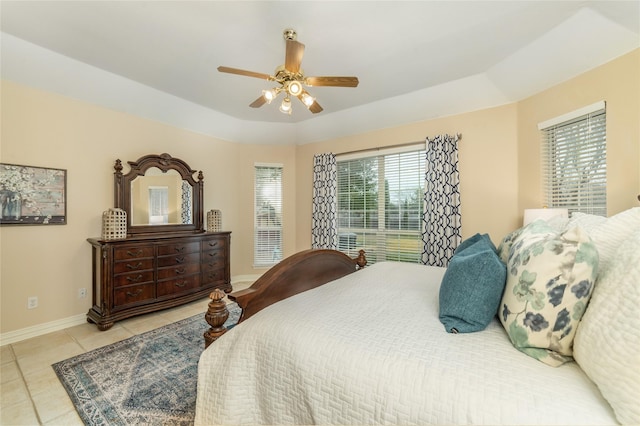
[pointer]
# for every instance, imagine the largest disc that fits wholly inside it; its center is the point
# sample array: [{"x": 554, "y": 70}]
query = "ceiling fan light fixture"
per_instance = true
[
  {"x": 307, "y": 99},
  {"x": 269, "y": 95},
  {"x": 285, "y": 107},
  {"x": 294, "y": 88}
]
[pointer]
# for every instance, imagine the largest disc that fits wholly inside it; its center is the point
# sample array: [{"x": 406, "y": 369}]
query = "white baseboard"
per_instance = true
[
  {"x": 57, "y": 325},
  {"x": 243, "y": 278},
  {"x": 40, "y": 329}
]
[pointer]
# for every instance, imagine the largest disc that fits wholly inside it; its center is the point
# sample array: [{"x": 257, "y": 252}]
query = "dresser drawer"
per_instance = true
[
  {"x": 178, "y": 271},
  {"x": 133, "y": 252},
  {"x": 178, "y": 285},
  {"x": 132, "y": 265},
  {"x": 179, "y": 248},
  {"x": 209, "y": 263},
  {"x": 213, "y": 255},
  {"x": 133, "y": 294},
  {"x": 178, "y": 259},
  {"x": 213, "y": 276},
  {"x": 133, "y": 278},
  {"x": 214, "y": 244}
]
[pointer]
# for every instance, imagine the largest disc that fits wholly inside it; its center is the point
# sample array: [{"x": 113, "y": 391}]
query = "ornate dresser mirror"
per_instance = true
[{"x": 160, "y": 195}]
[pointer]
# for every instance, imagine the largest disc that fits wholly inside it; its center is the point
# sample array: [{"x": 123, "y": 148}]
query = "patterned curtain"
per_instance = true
[
  {"x": 324, "y": 231},
  {"x": 441, "y": 219},
  {"x": 186, "y": 202}
]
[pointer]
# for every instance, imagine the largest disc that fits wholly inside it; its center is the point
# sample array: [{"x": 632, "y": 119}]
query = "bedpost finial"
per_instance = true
[
  {"x": 217, "y": 314},
  {"x": 361, "y": 260}
]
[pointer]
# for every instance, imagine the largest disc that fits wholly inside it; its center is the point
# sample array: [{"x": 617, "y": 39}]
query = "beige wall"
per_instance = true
[
  {"x": 617, "y": 83},
  {"x": 53, "y": 262},
  {"x": 499, "y": 171},
  {"x": 487, "y": 165}
]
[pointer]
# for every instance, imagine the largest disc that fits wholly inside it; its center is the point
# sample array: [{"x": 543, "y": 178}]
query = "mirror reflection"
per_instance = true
[{"x": 159, "y": 198}]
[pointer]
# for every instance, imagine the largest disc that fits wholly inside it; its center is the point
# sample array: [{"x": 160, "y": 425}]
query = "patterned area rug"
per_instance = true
[{"x": 147, "y": 379}]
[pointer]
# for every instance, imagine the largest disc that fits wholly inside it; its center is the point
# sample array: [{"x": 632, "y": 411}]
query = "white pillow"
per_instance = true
[
  {"x": 609, "y": 235},
  {"x": 607, "y": 342},
  {"x": 588, "y": 222}
]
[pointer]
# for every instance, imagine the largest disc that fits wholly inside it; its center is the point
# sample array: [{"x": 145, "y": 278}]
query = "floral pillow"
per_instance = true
[{"x": 550, "y": 277}]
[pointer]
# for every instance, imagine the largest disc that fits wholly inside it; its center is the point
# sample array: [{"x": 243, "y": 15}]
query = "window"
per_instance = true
[
  {"x": 574, "y": 161},
  {"x": 158, "y": 205},
  {"x": 380, "y": 205},
  {"x": 268, "y": 215}
]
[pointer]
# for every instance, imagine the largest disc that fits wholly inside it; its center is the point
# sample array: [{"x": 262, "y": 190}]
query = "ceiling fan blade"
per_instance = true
[
  {"x": 258, "y": 102},
  {"x": 293, "y": 56},
  {"x": 332, "y": 81},
  {"x": 245, "y": 73},
  {"x": 315, "y": 107}
]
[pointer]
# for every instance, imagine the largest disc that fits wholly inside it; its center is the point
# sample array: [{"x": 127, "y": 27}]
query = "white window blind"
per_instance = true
[
  {"x": 380, "y": 206},
  {"x": 574, "y": 163},
  {"x": 268, "y": 215}
]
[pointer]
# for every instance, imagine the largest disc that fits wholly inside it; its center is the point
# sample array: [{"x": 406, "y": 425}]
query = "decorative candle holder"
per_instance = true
[
  {"x": 114, "y": 224},
  {"x": 214, "y": 221}
]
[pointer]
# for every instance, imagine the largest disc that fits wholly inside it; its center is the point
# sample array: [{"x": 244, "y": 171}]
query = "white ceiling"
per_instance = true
[{"x": 415, "y": 60}]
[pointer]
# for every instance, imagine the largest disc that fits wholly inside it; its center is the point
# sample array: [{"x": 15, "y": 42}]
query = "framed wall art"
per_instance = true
[{"x": 32, "y": 195}]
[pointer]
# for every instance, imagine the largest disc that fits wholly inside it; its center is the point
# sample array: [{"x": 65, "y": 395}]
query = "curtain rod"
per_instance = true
[{"x": 378, "y": 148}]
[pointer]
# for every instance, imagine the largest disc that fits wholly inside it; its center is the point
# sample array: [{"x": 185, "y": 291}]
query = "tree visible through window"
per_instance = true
[
  {"x": 574, "y": 161},
  {"x": 380, "y": 206},
  {"x": 268, "y": 216}
]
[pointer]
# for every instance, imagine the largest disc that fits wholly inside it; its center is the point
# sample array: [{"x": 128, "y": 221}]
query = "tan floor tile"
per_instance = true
[
  {"x": 19, "y": 414},
  {"x": 70, "y": 418},
  {"x": 172, "y": 317},
  {"x": 52, "y": 404},
  {"x": 9, "y": 372},
  {"x": 42, "y": 381},
  {"x": 43, "y": 359},
  {"x": 6, "y": 355},
  {"x": 13, "y": 392},
  {"x": 41, "y": 343},
  {"x": 103, "y": 338},
  {"x": 82, "y": 331},
  {"x": 141, "y": 325}
]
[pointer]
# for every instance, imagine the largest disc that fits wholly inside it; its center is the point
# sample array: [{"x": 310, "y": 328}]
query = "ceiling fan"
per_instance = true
[{"x": 291, "y": 79}]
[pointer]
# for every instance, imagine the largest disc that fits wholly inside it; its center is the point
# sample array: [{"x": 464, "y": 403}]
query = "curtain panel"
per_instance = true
[
  {"x": 441, "y": 219},
  {"x": 324, "y": 227}
]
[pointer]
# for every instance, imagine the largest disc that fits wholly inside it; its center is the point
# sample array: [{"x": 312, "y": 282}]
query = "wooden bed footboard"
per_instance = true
[{"x": 297, "y": 273}]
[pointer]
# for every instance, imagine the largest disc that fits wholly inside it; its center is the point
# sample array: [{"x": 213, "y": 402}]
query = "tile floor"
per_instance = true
[{"x": 31, "y": 393}]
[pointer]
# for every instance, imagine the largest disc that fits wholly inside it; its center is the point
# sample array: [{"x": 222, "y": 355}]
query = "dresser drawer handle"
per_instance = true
[
  {"x": 132, "y": 267},
  {"x": 180, "y": 259},
  {"x": 213, "y": 243},
  {"x": 134, "y": 253},
  {"x": 180, "y": 249},
  {"x": 137, "y": 293},
  {"x": 181, "y": 283},
  {"x": 180, "y": 271},
  {"x": 134, "y": 279},
  {"x": 213, "y": 275},
  {"x": 213, "y": 254}
]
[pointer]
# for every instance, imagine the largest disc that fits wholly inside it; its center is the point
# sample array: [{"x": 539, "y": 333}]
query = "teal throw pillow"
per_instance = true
[{"x": 472, "y": 286}]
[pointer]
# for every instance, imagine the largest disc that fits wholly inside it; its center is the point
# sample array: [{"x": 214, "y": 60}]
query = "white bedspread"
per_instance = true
[{"x": 369, "y": 349}]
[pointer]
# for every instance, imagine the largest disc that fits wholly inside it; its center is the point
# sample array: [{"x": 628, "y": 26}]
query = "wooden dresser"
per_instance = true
[{"x": 142, "y": 274}]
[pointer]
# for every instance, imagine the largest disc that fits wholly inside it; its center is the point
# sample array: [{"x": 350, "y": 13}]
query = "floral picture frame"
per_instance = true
[{"x": 32, "y": 195}]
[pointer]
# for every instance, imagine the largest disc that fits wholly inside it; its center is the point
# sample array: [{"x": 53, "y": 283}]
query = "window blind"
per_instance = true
[
  {"x": 574, "y": 164},
  {"x": 380, "y": 206},
  {"x": 268, "y": 215}
]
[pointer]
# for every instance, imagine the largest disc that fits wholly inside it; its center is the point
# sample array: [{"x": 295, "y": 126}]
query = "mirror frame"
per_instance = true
[{"x": 164, "y": 162}]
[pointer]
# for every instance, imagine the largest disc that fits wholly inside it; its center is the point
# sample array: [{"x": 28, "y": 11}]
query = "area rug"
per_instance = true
[{"x": 147, "y": 379}]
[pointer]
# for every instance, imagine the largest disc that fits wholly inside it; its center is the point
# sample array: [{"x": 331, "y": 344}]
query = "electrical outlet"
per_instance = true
[
  {"x": 82, "y": 293},
  {"x": 32, "y": 302}
]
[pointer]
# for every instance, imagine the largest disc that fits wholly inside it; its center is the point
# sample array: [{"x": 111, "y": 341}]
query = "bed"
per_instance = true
[{"x": 369, "y": 347}]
